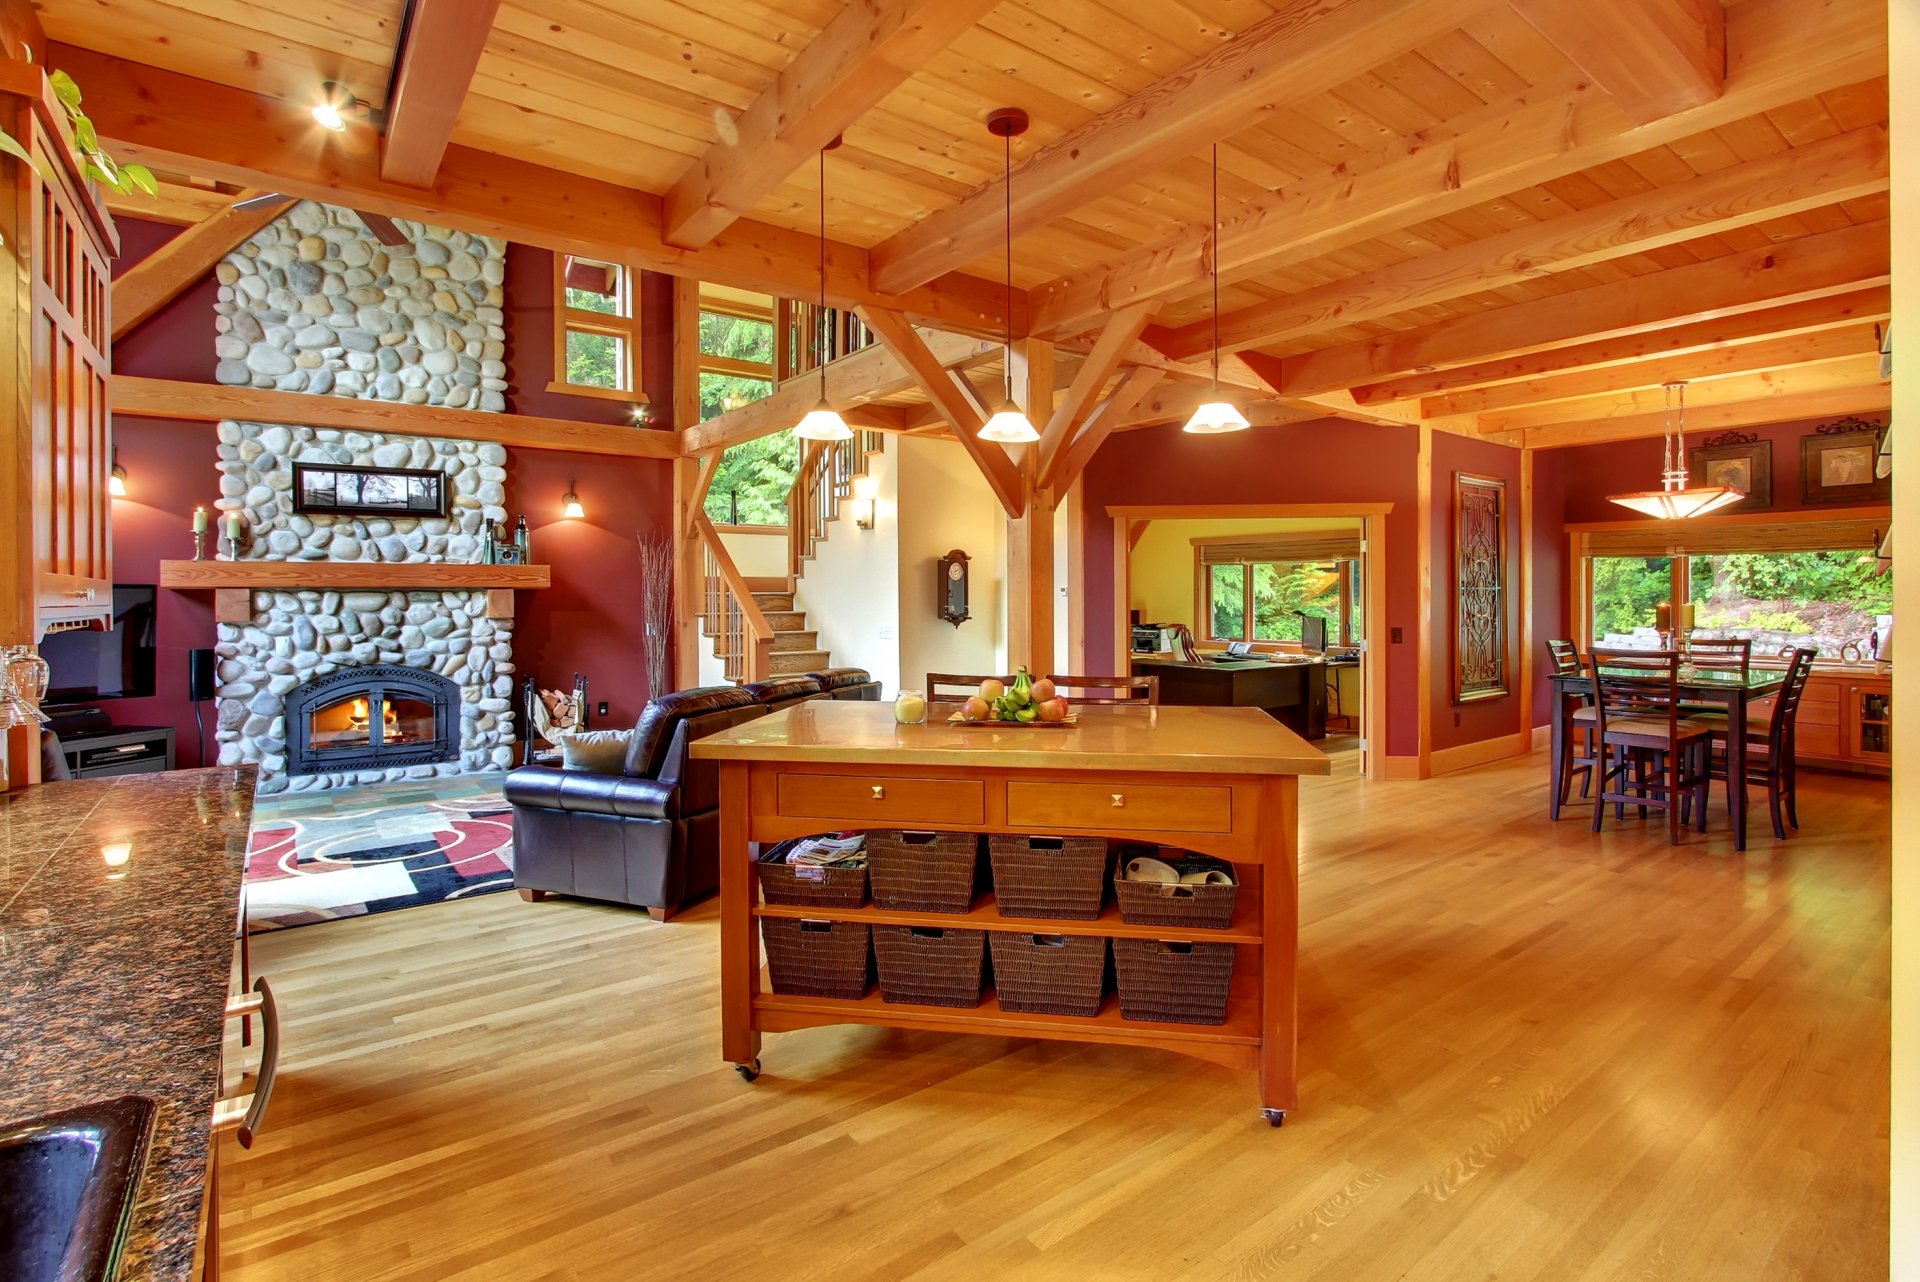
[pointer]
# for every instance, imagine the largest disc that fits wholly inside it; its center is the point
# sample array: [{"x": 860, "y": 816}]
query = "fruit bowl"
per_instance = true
[{"x": 1036, "y": 724}]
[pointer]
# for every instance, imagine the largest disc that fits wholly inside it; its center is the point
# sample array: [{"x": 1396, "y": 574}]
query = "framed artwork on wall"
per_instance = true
[
  {"x": 1479, "y": 588},
  {"x": 326, "y": 489},
  {"x": 1739, "y": 459},
  {"x": 1837, "y": 464}
]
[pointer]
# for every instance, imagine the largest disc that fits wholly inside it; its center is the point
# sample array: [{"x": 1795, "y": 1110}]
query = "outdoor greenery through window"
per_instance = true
[
  {"x": 1779, "y": 600},
  {"x": 598, "y": 334},
  {"x": 754, "y": 478},
  {"x": 1263, "y": 601}
]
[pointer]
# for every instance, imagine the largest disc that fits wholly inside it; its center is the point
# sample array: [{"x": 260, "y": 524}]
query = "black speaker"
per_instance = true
[{"x": 199, "y": 675}]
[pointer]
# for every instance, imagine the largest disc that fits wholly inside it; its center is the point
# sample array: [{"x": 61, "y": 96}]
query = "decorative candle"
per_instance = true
[
  {"x": 200, "y": 520},
  {"x": 1686, "y": 617},
  {"x": 1663, "y": 617},
  {"x": 232, "y": 521}
]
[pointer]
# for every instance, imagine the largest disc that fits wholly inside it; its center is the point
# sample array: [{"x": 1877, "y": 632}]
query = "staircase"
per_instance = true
[{"x": 826, "y": 477}]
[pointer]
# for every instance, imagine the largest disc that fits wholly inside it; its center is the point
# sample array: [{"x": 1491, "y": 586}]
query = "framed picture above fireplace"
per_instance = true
[{"x": 327, "y": 489}]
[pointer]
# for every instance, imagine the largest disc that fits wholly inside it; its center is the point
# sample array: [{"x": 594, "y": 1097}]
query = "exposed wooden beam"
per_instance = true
[
  {"x": 1703, "y": 399},
  {"x": 1808, "y": 317},
  {"x": 929, "y": 371},
  {"x": 1116, "y": 338},
  {"x": 1653, "y": 57},
  {"x": 864, "y": 53},
  {"x": 1105, "y": 418},
  {"x": 1303, "y": 49},
  {"x": 1833, "y": 262},
  {"x": 1030, "y": 532},
  {"x": 176, "y": 266},
  {"x": 851, "y": 381},
  {"x": 1857, "y": 398},
  {"x": 167, "y": 120},
  {"x": 1839, "y": 168},
  {"x": 177, "y": 203},
  {"x": 1781, "y": 52},
  {"x": 435, "y": 64},
  {"x": 210, "y": 403},
  {"x": 1716, "y": 362}
]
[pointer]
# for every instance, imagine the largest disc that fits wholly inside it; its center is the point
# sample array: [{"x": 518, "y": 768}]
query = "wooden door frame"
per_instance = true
[{"x": 1373, "y": 557}]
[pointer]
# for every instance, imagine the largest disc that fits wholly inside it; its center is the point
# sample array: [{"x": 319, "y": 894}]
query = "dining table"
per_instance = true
[{"x": 1728, "y": 688}]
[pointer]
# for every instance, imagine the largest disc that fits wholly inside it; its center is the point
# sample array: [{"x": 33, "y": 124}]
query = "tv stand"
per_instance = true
[{"x": 123, "y": 750}]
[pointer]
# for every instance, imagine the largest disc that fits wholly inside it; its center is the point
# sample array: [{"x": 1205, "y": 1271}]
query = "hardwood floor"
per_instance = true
[{"x": 1527, "y": 1053}]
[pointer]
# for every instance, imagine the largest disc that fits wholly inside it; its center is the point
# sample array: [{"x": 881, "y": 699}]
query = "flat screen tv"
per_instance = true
[{"x": 88, "y": 666}]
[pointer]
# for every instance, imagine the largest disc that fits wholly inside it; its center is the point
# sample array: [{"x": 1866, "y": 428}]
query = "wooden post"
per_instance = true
[
  {"x": 688, "y": 569},
  {"x": 1030, "y": 535}
]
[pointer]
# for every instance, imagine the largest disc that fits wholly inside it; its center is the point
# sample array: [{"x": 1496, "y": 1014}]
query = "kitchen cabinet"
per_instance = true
[{"x": 1846, "y": 722}]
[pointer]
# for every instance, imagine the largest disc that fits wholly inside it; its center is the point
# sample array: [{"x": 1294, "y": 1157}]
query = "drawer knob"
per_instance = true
[
  {"x": 1119, "y": 799},
  {"x": 879, "y": 793}
]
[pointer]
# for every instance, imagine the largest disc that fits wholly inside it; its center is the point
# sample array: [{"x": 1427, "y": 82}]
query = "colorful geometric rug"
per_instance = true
[{"x": 350, "y": 852}]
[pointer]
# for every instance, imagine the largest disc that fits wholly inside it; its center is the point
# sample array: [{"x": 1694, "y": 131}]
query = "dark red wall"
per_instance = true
[
  {"x": 589, "y": 621},
  {"x": 1324, "y": 461},
  {"x": 1552, "y": 580},
  {"x": 1456, "y": 724}
]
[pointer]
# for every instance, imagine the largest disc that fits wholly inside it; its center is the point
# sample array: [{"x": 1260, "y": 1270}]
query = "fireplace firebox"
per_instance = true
[{"x": 372, "y": 718}]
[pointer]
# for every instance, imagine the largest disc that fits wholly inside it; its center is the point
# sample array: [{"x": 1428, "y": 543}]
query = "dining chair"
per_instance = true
[
  {"x": 1129, "y": 690},
  {"x": 1772, "y": 731},
  {"x": 1577, "y": 754},
  {"x": 964, "y": 687},
  {"x": 1721, "y": 653},
  {"x": 1651, "y": 756}
]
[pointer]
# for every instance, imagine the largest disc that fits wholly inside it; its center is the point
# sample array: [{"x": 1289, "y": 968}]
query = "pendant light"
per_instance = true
[
  {"x": 1008, "y": 425},
  {"x": 1675, "y": 500},
  {"x": 823, "y": 422},
  {"x": 1217, "y": 415}
]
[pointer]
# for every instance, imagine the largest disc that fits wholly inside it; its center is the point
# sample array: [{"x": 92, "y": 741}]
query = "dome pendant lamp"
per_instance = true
[
  {"x": 1008, "y": 425},
  {"x": 823, "y": 422},
  {"x": 1675, "y": 500},
  {"x": 1217, "y": 415}
]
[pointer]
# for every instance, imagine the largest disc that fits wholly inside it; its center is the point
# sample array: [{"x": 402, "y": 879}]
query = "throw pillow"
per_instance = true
[{"x": 600, "y": 752}]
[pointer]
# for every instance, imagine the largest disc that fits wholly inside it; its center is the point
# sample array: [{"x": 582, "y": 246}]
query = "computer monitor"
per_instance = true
[{"x": 1313, "y": 634}]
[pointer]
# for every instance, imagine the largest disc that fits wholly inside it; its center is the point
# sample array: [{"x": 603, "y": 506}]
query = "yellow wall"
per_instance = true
[{"x": 1161, "y": 571}]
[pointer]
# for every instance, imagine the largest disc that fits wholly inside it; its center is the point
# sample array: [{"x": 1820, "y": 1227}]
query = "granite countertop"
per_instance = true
[{"x": 114, "y": 981}]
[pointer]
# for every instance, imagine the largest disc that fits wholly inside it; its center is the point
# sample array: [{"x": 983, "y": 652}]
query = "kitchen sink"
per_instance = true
[{"x": 68, "y": 1182}]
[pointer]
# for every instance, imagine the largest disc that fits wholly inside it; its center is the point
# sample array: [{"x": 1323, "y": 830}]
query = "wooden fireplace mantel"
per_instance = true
[{"x": 232, "y": 582}]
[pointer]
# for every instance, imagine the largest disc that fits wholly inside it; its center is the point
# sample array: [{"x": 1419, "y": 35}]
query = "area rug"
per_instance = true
[{"x": 317, "y": 857}]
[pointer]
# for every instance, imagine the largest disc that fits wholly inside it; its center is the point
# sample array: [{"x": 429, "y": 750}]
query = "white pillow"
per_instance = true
[{"x": 600, "y": 752}]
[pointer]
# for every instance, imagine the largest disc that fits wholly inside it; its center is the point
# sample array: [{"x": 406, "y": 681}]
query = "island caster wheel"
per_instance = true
[
  {"x": 749, "y": 1070},
  {"x": 1274, "y": 1116}
]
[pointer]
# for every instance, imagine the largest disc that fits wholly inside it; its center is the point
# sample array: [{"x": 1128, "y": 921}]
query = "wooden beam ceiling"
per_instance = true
[
  {"x": 1704, "y": 400},
  {"x": 1653, "y": 57},
  {"x": 436, "y": 62},
  {"x": 1299, "y": 51},
  {"x": 1835, "y": 169},
  {"x": 1783, "y": 52},
  {"x": 183, "y": 262},
  {"x": 1119, "y": 334},
  {"x": 177, "y": 122},
  {"x": 1816, "y": 401},
  {"x": 866, "y": 52}
]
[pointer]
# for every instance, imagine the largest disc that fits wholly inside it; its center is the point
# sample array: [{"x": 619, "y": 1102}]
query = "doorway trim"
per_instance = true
[{"x": 1374, "y": 762}]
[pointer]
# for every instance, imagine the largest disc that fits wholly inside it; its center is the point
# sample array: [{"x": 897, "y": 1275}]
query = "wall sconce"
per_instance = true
[
  {"x": 863, "y": 504},
  {"x": 642, "y": 412},
  {"x": 117, "y": 479},
  {"x": 570, "y": 507}
]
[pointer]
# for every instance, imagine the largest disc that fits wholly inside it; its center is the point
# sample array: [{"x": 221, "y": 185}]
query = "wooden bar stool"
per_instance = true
[
  {"x": 962, "y": 687},
  {"x": 1650, "y": 755},
  {"x": 1130, "y": 690},
  {"x": 1574, "y": 750},
  {"x": 1772, "y": 730}
]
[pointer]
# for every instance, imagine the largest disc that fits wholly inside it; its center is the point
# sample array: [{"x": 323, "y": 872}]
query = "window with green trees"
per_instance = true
[
  {"x": 1263, "y": 600},
  {"x": 1822, "y": 599},
  {"x": 754, "y": 477}
]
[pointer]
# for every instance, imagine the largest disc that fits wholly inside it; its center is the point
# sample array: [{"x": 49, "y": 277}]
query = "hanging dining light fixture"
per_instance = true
[
  {"x": 1675, "y": 500},
  {"x": 1217, "y": 415},
  {"x": 1008, "y": 425},
  {"x": 823, "y": 422}
]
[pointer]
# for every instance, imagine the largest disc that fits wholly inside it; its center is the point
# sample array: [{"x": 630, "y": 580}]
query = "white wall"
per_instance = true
[
  {"x": 1904, "y": 51},
  {"x": 945, "y": 504},
  {"x": 759, "y": 555},
  {"x": 851, "y": 588}
]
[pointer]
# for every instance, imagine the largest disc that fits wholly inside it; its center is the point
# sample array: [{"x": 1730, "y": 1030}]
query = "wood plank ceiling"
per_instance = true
[{"x": 1397, "y": 205}]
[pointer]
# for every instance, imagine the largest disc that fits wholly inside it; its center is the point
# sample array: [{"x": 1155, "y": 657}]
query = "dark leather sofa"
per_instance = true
[
  {"x": 648, "y": 836},
  {"x": 776, "y": 693},
  {"x": 847, "y": 683}
]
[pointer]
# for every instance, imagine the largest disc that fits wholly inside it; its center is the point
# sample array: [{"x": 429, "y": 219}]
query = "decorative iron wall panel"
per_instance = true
[{"x": 1479, "y": 588}]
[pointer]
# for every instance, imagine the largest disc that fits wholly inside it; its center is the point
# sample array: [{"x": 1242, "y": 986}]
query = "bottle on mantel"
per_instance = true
[
  {"x": 490, "y": 546},
  {"x": 520, "y": 537}
]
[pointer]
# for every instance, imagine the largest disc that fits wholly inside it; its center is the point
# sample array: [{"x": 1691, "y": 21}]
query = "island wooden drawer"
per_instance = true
[
  {"x": 886, "y": 800},
  {"x": 1120, "y": 807}
]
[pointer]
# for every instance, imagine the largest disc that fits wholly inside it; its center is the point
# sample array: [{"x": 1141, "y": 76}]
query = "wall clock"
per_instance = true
[{"x": 951, "y": 589}]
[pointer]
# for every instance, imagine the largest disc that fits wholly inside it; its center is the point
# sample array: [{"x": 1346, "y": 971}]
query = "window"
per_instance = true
[
  {"x": 1263, "y": 600},
  {"x": 597, "y": 329},
  {"x": 736, "y": 355},
  {"x": 1626, "y": 590}
]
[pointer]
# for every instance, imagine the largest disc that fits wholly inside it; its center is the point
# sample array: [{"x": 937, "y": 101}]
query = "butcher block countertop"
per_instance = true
[{"x": 1241, "y": 741}]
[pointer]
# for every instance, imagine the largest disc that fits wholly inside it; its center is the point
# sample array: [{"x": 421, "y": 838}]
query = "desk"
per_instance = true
[
  {"x": 1293, "y": 693},
  {"x": 1218, "y": 780},
  {"x": 1719, "y": 687}
]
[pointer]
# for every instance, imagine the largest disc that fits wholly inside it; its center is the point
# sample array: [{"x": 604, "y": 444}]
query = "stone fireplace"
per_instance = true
[{"x": 324, "y": 688}]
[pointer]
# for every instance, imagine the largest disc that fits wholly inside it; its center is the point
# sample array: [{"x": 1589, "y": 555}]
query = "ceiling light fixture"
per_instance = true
[
  {"x": 1008, "y": 425},
  {"x": 334, "y": 105},
  {"x": 1675, "y": 500},
  {"x": 1217, "y": 415},
  {"x": 570, "y": 504},
  {"x": 823, "y": 422}
]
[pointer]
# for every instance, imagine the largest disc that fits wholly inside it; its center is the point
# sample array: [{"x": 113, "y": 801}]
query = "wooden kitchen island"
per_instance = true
[{"x": 1221, "y": 781}]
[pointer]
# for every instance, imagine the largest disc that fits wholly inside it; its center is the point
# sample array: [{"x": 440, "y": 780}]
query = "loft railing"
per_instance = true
[
  {"x": 826, "y": 476},
  {"x": 805, "y": 336},
  {"x": 742, "y": 637}
]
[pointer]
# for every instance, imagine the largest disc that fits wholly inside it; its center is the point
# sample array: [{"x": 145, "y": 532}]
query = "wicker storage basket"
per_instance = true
[
  {"x": 931, "y": 967},
  {"x": 816, "y": 885},
  {"x": 1048, "y": 876},
  {"x": 1173, "y": 982},
  {"x": 817, "y": 958},
  {"x": 923, "y": 872},
  {"x": 1151, "y": 903},
  {"x": 1050, "y": 974}
]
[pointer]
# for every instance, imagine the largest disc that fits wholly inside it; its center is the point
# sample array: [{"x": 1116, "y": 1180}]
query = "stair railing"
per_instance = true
[
  {"x": 826, "y": 476},
  {"x": 743, "y": 639}
]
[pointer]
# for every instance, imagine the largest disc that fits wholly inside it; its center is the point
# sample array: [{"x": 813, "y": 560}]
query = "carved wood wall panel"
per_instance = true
[{"x": 1479, "y": 588}]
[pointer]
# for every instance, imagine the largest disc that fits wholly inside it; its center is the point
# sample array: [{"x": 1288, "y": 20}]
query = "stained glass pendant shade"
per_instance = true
[{"x": 1676, "y": 500}]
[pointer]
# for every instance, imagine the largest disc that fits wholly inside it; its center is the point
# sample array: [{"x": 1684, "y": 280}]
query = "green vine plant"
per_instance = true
[{"x": 101, "y": 168}]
